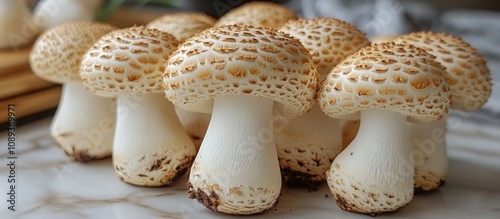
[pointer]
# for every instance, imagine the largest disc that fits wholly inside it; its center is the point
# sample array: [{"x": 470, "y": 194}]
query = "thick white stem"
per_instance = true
[
  {"x": 195, "y": 123},
  {"x": 151, "y": 146},
  {"x": 374, "y": 174},
  {"x": 429, "y": 154},
  {"x": 84, "y": 123},
  {"x": 307, "y": 146},
  {"x": 236, "y": 170},
  {"x": 349, "y": 132}
]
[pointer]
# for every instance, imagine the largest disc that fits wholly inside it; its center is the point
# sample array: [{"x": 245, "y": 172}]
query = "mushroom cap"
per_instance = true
[
  {"x": 382, "y": 38},
  {"x": 387, "y": 76},
  {"x": 127, "y": 60},
  {"x": 183, "y": 25},
  {"x": 328, "y": 40},
  {"x": 57, "y": 53},
  {"x": 241, "y": 60},
  {"x": 260, "y": 14},
  {"x": 467, "y": 72}
]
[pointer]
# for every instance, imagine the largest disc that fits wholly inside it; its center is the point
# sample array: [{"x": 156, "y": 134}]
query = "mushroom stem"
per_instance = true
[
  {"x": 374, "y": 174},
  {"x": 84, "y": 123},
  {"x": 236, "y": 170},
  {"x": 195, "y": 123},
  {"x": 151, "y": 146},
  {"x": 429, "y": 153},
  {"x": 307, "y": 147}
]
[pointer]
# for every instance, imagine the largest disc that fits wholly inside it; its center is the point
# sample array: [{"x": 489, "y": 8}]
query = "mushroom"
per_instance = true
[
  {"x": 15, "y": 16},
  {"x": 385, "y": 84},
  {"x": 84, "y": 123},
  {"x": 349, "y": 132},
  {"x": 350, "y": 127},
  {"x": 470, "y": 87},
  {"x": 261, "y": 14},
  {"x": 151, "y": 147},
  {"x": 51, "y": 13},
  {"x": 183, "y": 25},
  {"x": 382, "y": 38},
  {"x": 308, "y": 144},
  {"x": 244, "y": 72}
]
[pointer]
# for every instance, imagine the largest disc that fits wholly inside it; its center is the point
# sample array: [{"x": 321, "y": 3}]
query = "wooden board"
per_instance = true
[
  {"x": 21, "y": 82},
  {"x": 31, "y": 103},
  {"x": 14, "y": 60}
]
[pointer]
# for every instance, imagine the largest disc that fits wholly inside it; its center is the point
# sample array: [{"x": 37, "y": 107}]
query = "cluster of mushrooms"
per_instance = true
[{"x": 259, "y": 97}]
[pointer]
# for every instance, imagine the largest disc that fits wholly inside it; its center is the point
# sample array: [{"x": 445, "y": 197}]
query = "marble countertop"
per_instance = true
[{"x": 51, "y": 186}]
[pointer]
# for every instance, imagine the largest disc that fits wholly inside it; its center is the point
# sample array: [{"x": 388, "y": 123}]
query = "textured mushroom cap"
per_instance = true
[
  {"x": 389, "y": 76},
  {"x": 467, "y": 72},
  {"x": 127, "y": 60},
  {"x": 241, "y": 60},
  {"x": 261, "y": 14},
  {"x": 183, "y": 25},
  {"x": 382, "y": 39},
  {"x": 328, "y": 40},
  {"x": 57, "y": 53}
]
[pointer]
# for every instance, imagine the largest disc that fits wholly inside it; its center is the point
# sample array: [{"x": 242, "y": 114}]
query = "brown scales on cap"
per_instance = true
[
  {"x": 468, "y": 74},
  {"x": 387, "y": 76},
  {"x": 329, "y": 40},
  {"x": 262, "y": 14},
  {"x": 241, "y": 60},
  {"x": 183, "y": 25},
  {"x": 57, "y": 53},
  {"x": 127, "y": 60}
]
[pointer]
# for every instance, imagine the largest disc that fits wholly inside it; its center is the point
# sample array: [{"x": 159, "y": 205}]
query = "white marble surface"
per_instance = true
[{"x": 51, "y": 186}]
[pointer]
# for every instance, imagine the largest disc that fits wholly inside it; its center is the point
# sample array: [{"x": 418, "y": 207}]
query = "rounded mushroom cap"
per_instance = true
[
  {"x": 259, "y": 14},
  {"x": 57, "y": 53},
  {"x": 383, "y": 38},
  {"x": 241, "y": 60},
  {"x": 183, "y": 25},
  {"x": 328, "y": 40},
  {"x": 389, "y": 76},
  {"x": 467, "y": 72},
  {"x": 127, "y": 60}
]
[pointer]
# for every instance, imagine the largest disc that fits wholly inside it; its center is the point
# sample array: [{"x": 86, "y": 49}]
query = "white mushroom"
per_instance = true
[
  {"x": 244, "y": 72},
  {"x": 183, "y": 25},
  {"x": 260, "y": 14},
  {"x": 382, "y": 38},
  {"x": 151, "y": 147},
  {"x": 84, "y": 123},
  {"x": 386, "y": 84},
  {"x": 51, "y": 13},
  {"x": 349, "y": 132},
  {"x": 470, "y": 87},
  {"x": 16, "y": 27},
  {"x": 308, "y": 144}
]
